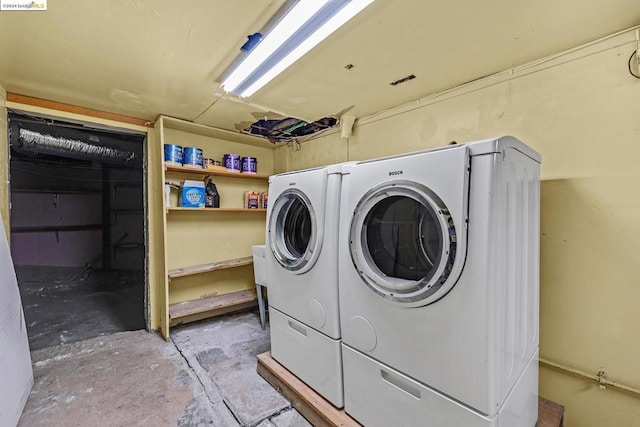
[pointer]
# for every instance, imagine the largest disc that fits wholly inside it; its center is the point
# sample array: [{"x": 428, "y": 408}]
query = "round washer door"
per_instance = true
[
  {"x": 403, "y": 243},
  {"x": 293, "y": 232}
]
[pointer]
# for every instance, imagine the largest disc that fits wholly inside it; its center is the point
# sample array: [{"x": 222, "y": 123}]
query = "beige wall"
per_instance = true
[
  {"x": 4, "y": 166},
  {"x": 581, "y": 111}
]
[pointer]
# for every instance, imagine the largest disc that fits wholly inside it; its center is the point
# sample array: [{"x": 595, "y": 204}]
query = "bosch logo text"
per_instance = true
[{"x": 395, "y": 173}]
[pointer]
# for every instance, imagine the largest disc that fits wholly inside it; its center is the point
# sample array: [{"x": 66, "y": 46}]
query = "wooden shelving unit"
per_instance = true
[{"x": 196, "y": 288}]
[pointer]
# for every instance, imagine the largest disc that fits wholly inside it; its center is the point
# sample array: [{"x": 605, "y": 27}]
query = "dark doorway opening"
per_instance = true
[{"x": 77, "y": 228}]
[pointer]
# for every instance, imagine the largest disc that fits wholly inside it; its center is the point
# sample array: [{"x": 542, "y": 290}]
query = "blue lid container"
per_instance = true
[
  {"x": 192, "y": 157},
  {"x": 173, "y": 154}
]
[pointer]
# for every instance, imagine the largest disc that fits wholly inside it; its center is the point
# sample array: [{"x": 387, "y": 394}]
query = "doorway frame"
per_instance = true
[{"x": 152, "y": 191}]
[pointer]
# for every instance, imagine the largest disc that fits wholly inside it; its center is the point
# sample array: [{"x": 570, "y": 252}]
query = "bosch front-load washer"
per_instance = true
[
  {"x": 439, "y": 279},
  {"x": 302, "y": 270}
]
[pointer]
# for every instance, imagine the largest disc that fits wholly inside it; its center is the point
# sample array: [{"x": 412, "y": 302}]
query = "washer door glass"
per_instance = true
[
  {"x": 403, "y": 243},
  {"x": 293, "y": 230}
]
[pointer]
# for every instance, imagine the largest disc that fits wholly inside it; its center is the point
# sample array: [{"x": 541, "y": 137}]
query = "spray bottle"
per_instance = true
[{"x": 212, "y": 197}]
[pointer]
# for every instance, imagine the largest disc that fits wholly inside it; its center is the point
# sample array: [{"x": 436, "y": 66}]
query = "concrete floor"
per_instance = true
[
  {"x": 205, "y": 375},
  {"x": 69, "y": 304}
]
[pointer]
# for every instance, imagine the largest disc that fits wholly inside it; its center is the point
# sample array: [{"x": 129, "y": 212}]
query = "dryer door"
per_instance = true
[
  {"x": 293, "y": 231},
  {"x": 403, "y": 243}
]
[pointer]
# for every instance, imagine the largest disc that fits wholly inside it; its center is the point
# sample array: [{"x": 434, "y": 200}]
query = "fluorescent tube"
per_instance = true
[{"x": 302, "y": 28}]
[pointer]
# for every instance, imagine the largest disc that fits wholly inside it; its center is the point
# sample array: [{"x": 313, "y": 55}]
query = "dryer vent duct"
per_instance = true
[{"x": 70, "y": 143}]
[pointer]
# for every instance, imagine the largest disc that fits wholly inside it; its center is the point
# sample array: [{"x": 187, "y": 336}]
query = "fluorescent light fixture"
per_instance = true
[{"x": 305, "y": 24}]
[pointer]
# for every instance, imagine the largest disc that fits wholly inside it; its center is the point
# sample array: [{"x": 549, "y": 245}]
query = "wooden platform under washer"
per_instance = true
[
  {"x": 319, "y": 412},
  {"x": 310, "y": 404}
]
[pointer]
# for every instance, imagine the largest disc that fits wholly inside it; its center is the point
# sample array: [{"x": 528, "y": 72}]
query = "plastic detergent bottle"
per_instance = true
[{"x": 212, "y": 197}]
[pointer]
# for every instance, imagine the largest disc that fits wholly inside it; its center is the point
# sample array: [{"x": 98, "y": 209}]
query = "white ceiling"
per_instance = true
[{"x": 147, "y": 57}]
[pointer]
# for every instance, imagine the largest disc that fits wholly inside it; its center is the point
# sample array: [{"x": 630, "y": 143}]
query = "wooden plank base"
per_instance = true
[
  {"x": 310, "y": 404},
  {"x": 191, "y": 311},
  {"x": 319, "y": 412},
  {"x": 550, "y": 414}
]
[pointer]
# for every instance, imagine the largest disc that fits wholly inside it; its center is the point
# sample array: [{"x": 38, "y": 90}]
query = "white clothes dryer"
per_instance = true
[
  {"x": 439, "y": 261},
  {"x": 302, "y": 270}
]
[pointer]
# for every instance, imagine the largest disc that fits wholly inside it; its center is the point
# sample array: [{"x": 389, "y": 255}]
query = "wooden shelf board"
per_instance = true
[
  {"x": 204, "y": 172},
  {"x": 214, "y": 210},
  {"x": 205, "y": 268},
  {"x": 187, "y": 311},
  {"x": 198, "y": 129},
  {"x": 319, "y": 412}
]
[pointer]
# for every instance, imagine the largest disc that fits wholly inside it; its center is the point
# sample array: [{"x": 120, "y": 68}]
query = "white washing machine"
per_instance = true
[
  {"x": 439, "y": 279},
  {"x": 302, "y": 271}
]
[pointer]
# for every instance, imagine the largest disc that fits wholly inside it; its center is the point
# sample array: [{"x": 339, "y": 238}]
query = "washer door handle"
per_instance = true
[
  {"x": 299, "y": 329},
  {"x": 400, "y": 383}
]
